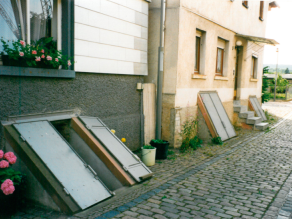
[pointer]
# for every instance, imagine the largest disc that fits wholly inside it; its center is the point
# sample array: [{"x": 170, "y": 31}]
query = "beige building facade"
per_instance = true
[{"x": 209, "y": 45}]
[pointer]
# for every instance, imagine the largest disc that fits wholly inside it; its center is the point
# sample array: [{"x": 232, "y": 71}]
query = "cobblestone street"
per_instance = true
[{"x": 248, "y": 177}]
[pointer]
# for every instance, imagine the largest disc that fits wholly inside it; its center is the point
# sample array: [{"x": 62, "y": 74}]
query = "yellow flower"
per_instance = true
[
  {"x": 113, "y": 131},
  {"x": 123, "y": 140}
]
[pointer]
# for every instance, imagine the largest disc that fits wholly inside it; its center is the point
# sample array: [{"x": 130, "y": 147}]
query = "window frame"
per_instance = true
[
  {"x": 222, "y": 61},
  {"x": 64, "y": 30},
  {"x": 262, "y": 5},
  {"x": 198, "y": 53},
  {"x": 245, "y": 4},
  {"x": 254, "y": 64}
]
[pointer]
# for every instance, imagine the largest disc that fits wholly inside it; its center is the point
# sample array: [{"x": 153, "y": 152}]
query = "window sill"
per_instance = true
[
  {"x": 254, "y": 80},
  {"x": 221, "y": 78},
  {"x": 198, "y": 76},
  {"x": 36, "y": 72}
]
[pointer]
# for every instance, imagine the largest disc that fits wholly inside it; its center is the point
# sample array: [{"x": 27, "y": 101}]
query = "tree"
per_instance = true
[
  {"x": 287, "y": 71},
  {"x": 265, "y": 86}
]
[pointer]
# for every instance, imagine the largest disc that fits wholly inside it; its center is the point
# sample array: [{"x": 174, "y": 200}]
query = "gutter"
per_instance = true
[{"x": 160, "y": 73}]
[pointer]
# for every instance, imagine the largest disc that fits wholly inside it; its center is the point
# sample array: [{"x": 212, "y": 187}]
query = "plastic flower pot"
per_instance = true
[
  {"x": 162, "y": 149},
  {"x": 148, "y": 156}
]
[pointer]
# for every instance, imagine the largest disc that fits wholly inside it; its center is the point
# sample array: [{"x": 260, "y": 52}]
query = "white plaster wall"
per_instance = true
[
  {"x": 111, "y": 36},
  {"x": 232, "y": 15}
]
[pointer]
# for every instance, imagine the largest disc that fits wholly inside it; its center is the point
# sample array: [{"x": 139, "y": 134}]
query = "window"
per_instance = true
[
  {"x": 222, "y": 47},
  {"x": 28, "y": 20},
  {"x": 31, "y": 20},
  {"x": 245, "y": 4},
  {"x": 197, "y": 57},
  {"x": 219, "y": 63},
  {"x": 262, "y": 3},
  {"x": 254, "y": 65}
]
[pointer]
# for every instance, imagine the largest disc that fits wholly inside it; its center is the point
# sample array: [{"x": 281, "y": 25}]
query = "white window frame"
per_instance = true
[{"x": 57, "y": 13}]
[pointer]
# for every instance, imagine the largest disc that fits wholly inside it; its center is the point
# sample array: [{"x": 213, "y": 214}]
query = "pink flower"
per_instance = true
[
  {"x": 49, "y": 58},
  {"x": 43, "y": 56},
  {"x": 34, "y": 52},
  {"x": 37, "y": 59},
  {"x": 56, "y": 59},
  {"x": 10, "y": 157},
  {"x": 21, "y": 53},
  {"x": 1, "y": 154},
  {"x": 7, "y": 187},
  {"x": 69, "y": 63},
  {"x": 4, "y": 164},
  {"x": 22, "y": 42},
  {"x": 42, "y": 51}
]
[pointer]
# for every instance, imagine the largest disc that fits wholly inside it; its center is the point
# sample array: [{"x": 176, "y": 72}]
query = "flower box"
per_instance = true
[{"x": 41, "y": 54}]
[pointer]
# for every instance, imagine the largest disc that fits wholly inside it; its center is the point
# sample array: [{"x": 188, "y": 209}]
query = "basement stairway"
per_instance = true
[{"x": 249, "y": 116}]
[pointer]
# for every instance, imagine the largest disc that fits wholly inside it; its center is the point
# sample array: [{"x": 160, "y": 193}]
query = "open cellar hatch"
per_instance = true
[
  {"x": 77, "y": 160},
  {"x": 215, "y": 115}
]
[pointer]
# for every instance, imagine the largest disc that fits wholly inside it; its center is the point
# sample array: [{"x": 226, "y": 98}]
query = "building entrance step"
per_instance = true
[
  {"x": 262, "y": 126},
  {"x": 253, "y": 120},
  {"x": 246, "y": 115},
  {"x": 239, "y": 108}
]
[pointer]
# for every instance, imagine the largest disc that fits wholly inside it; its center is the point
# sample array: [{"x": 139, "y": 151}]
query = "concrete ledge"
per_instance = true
[
  {"x": 254, "y": 80},
  {"x": 221, "y": 78},
  {"x": 198, "y": 76},
  {"x": 36, "y": 72}
]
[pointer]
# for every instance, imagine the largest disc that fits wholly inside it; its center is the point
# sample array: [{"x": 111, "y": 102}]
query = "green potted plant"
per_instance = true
[
  {"x": 162, "y": 148},
  {"x": 10, "y": 182},
  {"x": 148, "y": 155}
]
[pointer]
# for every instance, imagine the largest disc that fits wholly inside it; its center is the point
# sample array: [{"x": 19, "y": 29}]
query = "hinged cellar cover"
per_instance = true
[
  {"x": 255, "y": 105},
  {"x": 218, "y": 115},
  {"x": 78, "y": 180},
  {"x": 130, "y": 162}
]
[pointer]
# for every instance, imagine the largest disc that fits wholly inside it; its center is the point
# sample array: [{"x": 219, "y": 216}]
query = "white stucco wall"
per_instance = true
[
  {"x": 232, "y": 15},
  {"x": 111, "y": 36}
]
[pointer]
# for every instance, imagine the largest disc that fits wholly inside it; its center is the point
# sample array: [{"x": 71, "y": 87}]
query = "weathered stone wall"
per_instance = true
[{"x": 113, "y": 98}]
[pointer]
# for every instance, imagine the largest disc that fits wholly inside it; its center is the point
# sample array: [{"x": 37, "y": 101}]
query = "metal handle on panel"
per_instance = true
[
  {"x": 66, "y": 191},
  {"x": 92, "y": 170},
  {"x": 223, "y": 124},
  {"x": 136, "y": 157}
]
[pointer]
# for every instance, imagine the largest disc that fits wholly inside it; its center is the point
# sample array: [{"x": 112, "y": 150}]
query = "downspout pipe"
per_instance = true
[{"x": 160, "y": 73}]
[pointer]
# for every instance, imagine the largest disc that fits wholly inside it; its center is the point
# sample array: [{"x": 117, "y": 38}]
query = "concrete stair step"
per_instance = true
[
  {"x": 253, "y": 120},
  {"x": 236, "y": 102},
  {"x": 246, "y": 115},
  {"x": 262, "y": 126},
  {"x": 240, "y": 109}
]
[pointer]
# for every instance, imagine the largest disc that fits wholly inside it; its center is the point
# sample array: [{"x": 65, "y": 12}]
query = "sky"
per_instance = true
[{"x": 279, "y": 28}]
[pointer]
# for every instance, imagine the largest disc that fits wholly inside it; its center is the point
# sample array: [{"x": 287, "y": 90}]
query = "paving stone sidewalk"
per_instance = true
[{"x": 248, "y": 177}]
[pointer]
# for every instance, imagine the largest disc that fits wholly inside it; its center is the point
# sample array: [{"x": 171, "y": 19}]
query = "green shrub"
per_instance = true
[
  {"x": 217, "y": 140},
  {"x": 157, "y": 141},
  {"x": 148, "y": 147}
]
